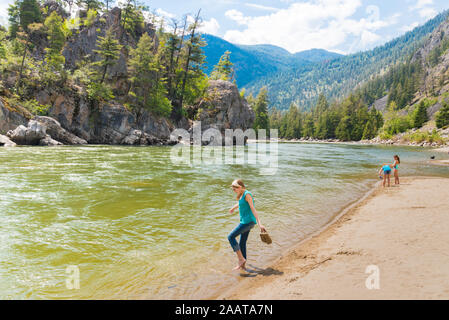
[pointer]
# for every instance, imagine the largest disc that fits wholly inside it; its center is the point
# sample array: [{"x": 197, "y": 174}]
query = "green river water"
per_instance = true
[{"x": 138, "y": 226}]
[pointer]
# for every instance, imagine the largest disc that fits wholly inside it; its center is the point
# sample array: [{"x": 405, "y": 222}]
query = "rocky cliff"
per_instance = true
[
  {"x": 11, "y": 117},
  {"x": 436, "y": 73},
  {"x": 222, "y": 108},
  {"x": 73, "y": 119},
  {"x": 433, "y": 82}
]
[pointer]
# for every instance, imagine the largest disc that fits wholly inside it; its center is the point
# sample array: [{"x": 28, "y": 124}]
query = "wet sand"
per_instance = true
[
  {"x": 440, "y": 162},
  {"x": 401, "y": 232},
  {"x": 443, "y": 149}
]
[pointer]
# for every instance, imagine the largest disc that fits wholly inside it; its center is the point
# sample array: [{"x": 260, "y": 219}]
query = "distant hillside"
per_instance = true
[
  {"x": 301, "y": 77},
  {"x": 423, "y": 77},
  {"x": 252, "y": 62}
]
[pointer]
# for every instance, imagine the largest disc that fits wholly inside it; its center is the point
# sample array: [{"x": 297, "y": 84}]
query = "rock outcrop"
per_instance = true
[
  {"x": 30, "y": 135},
  {"x": 54, "y": 129},
  {"x": 434, "y": 81},
  {"x": 138, "y": 137},
  {"x": 6, "y": 142},
  {"x": 105, "y": 123},
  {"x": 381, "y": 104},
  {"x": 11, "y": 117},
  {"x": 49, "y": 141},
  {"x": 75, "y": 120},
  {"x": 84, "y": 44},
  {"x": 223, "y": 108},
  {"x": 34, "y": 135}
]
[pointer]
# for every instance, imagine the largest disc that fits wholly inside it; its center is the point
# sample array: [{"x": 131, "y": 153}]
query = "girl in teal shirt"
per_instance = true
[
  {"x": 248, "y": 219},
  {"x": 395, "y": 166}
]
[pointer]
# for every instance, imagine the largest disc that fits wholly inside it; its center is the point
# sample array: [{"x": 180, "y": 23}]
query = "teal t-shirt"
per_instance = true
[{"x": 246, "y": 215}]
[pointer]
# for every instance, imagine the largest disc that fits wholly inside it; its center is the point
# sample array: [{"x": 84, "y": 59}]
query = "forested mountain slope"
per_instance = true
[
  {"x": 338, "y": 77},
  {"x": 409, "y": 103},
  {"x": 253, "y": 62}
]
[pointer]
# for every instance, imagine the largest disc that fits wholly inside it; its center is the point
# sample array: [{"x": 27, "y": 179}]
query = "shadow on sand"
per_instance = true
[{"x": 253, "y": 271}]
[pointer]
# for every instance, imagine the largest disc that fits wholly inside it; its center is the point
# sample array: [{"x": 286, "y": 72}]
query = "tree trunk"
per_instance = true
[
  {"x": 187, "y": 66},
  {"x": 104, "y": 74},
  {"x": 21, "y": 66},
  {"x": 170, "y": 66}
]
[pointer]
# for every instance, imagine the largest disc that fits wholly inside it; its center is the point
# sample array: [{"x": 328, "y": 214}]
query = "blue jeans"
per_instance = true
[{"x": 242, "y": 230}]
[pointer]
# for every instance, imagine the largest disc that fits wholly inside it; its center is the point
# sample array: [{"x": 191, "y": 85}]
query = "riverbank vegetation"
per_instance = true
[{"x": 140, "y": 61}]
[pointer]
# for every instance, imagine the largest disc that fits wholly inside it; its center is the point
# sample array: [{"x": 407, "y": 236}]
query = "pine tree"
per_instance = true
[
  {"x": 2, "y": 45},
  {"x": 224, "y": 69},
  {"x": 322, "y": 104},
  {"x": 109, "y": 52},
  {"x": 293, "y": 123},
  {"x": 369, "y": 132},
  {"x": 191, "y": 81},
  {"x": 90, "y": 4},
  {"x": 343, "y": 131},
  {"x": 28, "y": 18},
  {"x": 171, "y": 52},
  {"x": 419, "y": 116},
  {"x": 261, "y": 110},
  {"x": 14, "y": 18},
  {"x": 308, "y": 130},
  {"x": 442, "y": 116},
  {"x": 131, "y": 18},
  {"x": 320, "y": 130},
  {"x": 147, "y": 85},
  {"x": 56, "y": 35},
  {"x": 29, "y": 13}
]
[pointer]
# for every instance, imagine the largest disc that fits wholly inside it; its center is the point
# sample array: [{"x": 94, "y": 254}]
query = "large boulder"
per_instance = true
[
  {"x": 58, "y": 133},
  {"x": 30, "y": 135},
  {"x": 6, "y": 142},
  {"x": 223, "y": 108},
  {"x": 138, "y": 137},
  {"x": 49, "y": 141}
]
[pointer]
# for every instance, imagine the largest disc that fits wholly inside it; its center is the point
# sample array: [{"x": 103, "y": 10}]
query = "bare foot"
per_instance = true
[{"x": 240, "y": 265}]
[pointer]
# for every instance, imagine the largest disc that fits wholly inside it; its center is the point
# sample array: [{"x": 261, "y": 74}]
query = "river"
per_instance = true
[{"x": 137, "y": 225}]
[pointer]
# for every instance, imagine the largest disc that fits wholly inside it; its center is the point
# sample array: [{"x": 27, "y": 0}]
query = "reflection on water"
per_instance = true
[{"x": 139, "y": 226}]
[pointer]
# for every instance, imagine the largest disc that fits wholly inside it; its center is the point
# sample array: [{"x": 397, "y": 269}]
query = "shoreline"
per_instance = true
[
  {"x": 330, "y": 264},
  {"x": 428, "y": 146},
  {"x": 333, "y": 220}
]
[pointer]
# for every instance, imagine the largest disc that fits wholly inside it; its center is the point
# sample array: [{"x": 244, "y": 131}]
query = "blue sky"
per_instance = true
[{"x": 344, "y": 26}]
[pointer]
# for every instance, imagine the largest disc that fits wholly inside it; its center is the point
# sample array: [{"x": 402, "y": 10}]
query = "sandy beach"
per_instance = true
[
  {"x": 440, "y": 162},
  {"x": 400, "y": 234},
  {"x": 443, "y": 149}
]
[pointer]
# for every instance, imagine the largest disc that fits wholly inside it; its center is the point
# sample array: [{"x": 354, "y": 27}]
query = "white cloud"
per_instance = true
[
  {"x": 4, "y": 12},
  {"x": 424, "y": 8},
  {"x": 261, "y": 7},
  {"x": 427, "y": 13},
  {"x": 237, "y": 16},
  {"x": 210, "y": 26},
  {"x": 323, "y": 24},
  {"x": 165, "y": 14},
  {"x": 420, "y": 4}
]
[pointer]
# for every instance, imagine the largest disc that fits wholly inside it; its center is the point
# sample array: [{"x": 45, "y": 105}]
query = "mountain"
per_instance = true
[
  {"x": 317, "y": 55},
  {"x": 252, "y": 62},
  {"x": 406, "y": 104},
  {"x": 300, "y": 78},
  {"x": 424, "y": 77}
]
